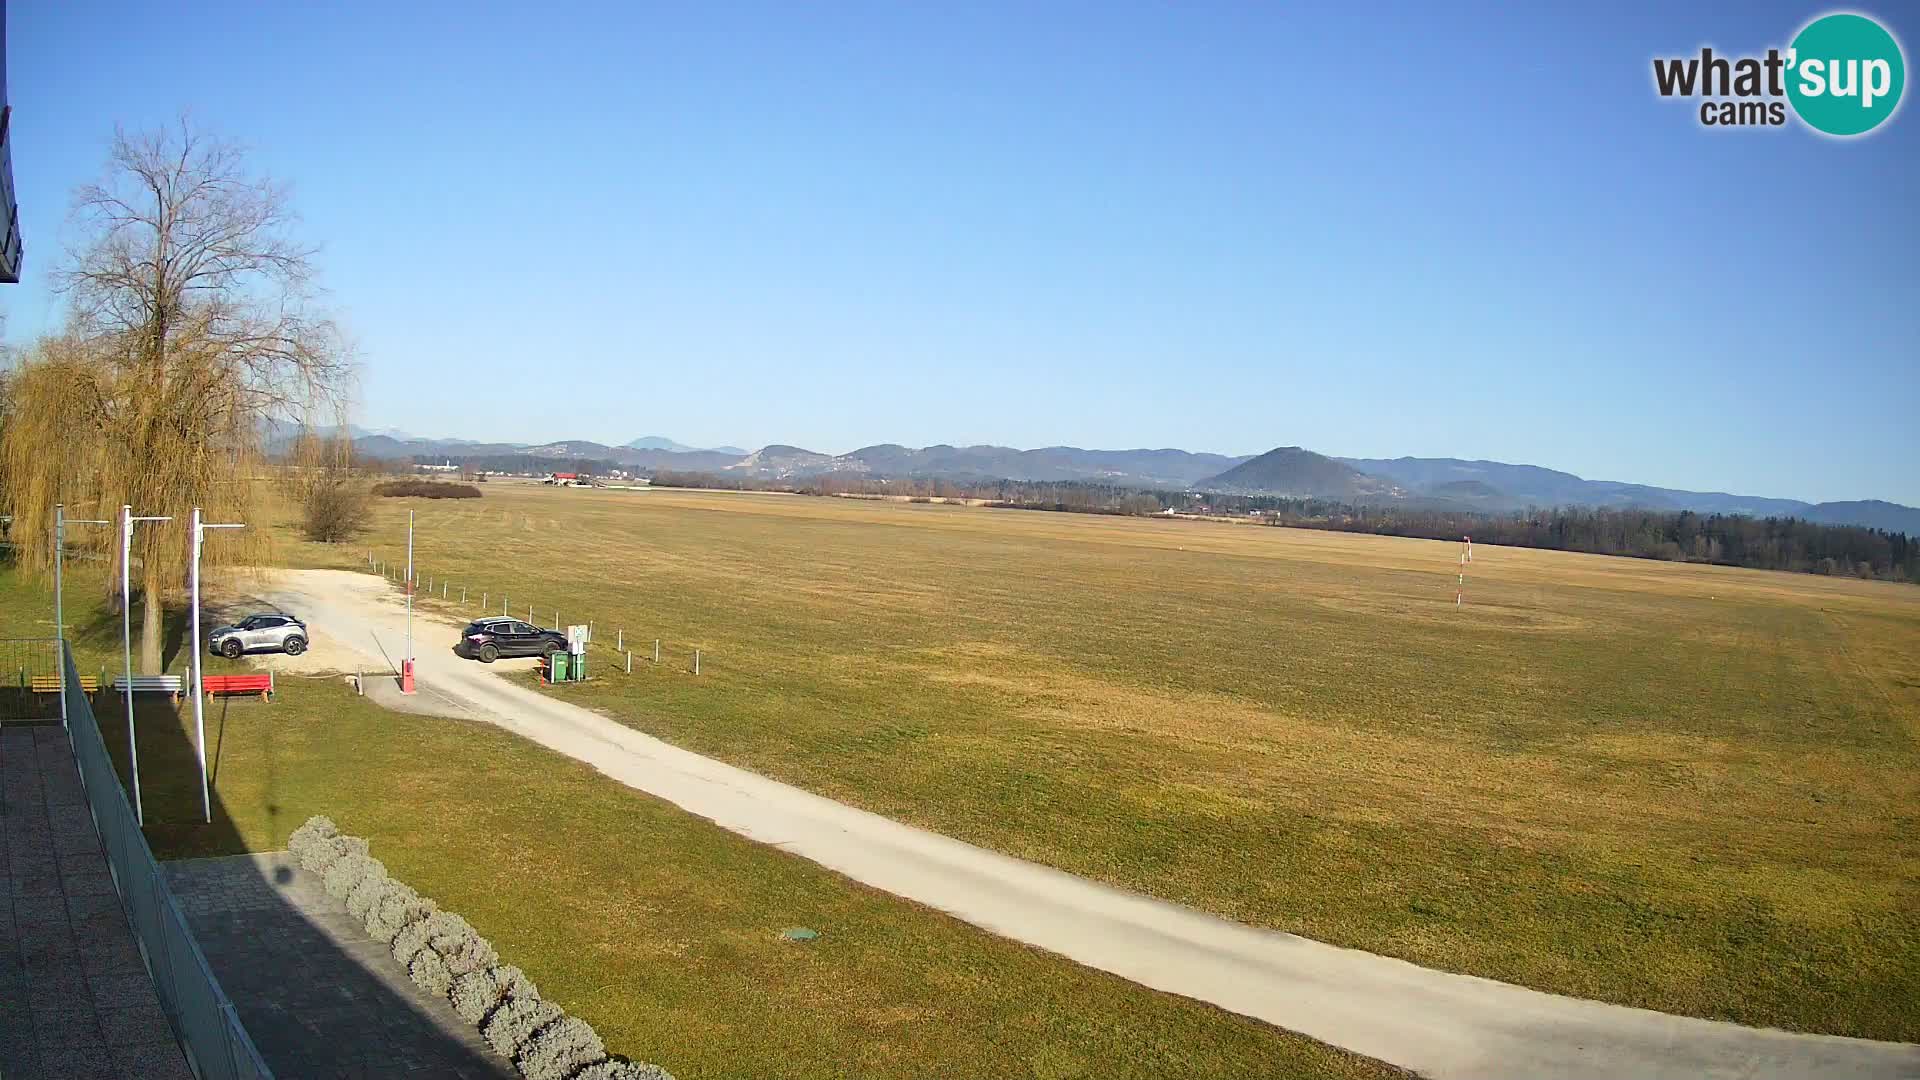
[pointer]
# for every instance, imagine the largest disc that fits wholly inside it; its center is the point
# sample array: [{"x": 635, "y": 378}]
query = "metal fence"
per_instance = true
[
  {"x": 217, "y": 1046},
  {"x": 27, "y": 663}
]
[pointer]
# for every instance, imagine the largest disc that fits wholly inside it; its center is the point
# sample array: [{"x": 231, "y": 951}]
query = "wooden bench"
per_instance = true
[
  {"x": 261, "y": 684},
  {"x": 50, "y": 684},
  {"x": 150, "y": 684}
]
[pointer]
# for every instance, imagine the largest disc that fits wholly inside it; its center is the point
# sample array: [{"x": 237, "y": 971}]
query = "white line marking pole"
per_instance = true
[
  {"x": 199, "y": 686},
  {"x": 60, "y": 523},
  {"x": 126, "y": 643}
]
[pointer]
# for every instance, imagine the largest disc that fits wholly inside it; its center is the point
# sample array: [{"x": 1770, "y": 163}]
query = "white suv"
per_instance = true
[{"x": 260, "y": 633}]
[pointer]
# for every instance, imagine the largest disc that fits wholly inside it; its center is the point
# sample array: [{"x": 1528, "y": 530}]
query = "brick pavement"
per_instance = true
[{"x": 75, "y": 999}]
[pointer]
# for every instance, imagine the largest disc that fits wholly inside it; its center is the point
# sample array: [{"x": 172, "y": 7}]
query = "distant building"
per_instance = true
[{"x": 448, "y": 467}]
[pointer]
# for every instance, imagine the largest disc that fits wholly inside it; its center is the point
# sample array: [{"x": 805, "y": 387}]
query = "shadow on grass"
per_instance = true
[{"x": 316, "y": 994}]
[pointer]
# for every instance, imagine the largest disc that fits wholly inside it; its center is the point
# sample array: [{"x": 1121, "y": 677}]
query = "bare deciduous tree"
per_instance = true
[{"x": 191, "y": 327}]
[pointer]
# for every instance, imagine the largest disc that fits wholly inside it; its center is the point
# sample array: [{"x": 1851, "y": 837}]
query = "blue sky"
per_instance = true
[{"x": 1369, "y": 231}]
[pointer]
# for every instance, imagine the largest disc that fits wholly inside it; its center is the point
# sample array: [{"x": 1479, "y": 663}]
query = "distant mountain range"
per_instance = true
[
  {"x": 659, "y": 442},
  {"x": 1433, "y": 483}
]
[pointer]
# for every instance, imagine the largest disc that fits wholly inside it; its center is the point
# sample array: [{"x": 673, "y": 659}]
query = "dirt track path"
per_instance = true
[{"x": 1436, "y": 1023}]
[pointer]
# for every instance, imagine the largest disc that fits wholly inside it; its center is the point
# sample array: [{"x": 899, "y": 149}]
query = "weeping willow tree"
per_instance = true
[{"x": 190, "y": 331}]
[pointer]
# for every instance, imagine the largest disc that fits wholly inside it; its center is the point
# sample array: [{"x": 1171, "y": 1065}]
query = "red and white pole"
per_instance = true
[{"x": 406, "y": 664}]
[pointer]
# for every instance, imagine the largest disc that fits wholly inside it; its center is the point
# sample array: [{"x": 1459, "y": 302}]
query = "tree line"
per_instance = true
[{"x": 1769, "y": 543}]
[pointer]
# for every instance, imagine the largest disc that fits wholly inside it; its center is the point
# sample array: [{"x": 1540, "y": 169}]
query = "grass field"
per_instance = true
[
  {"x": 659, "y": 928},
  {"x": 1688, "y": 788}
]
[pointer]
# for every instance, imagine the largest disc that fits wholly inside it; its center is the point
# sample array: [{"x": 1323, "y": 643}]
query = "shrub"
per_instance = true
[
  {"x": 324, "y": 852},
  {"x": 409, "y": 941},
  {"x": 337, "y": 509},
  {"x": 467, "y": 955},
  {"x": 446, "y": 931},
  {"x": 347, "y": 872},
  {"x": 441, "y": 927},
  {"x": 396, "y": 908},
  {"x": 556, "y": 1051},
  {"x": 515, "y": 1021},
  {"x": 364, "y": 895},
  {"x": 445, "y": 956},
  {"x": 475, "y": 994},
  {"x": 622, "y": 1069},
  {"x": 314, "y": 830},
  {"x": 429, "y": 973},
  {"x": 426, "y": 489}
]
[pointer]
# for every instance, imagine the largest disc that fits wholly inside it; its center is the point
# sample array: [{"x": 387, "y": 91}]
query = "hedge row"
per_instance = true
[{"x": 446, "y": 957}]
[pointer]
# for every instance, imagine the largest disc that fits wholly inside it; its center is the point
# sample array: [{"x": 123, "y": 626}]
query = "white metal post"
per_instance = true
[
  {"x": 126, "y": 641},
  {"x": 199, "y": 686},
  {"x": 126, "y": 646},
  {"x": 60, "y": 523},
  {"x": 59, "y": 630},
  {"x": 409, "y": 686},
  {"x": 193, "y": 646}
]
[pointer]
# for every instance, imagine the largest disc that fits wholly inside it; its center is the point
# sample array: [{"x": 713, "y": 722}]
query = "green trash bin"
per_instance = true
[
  {"x": 578, "y": 667},
  {"x": 557, "y": 667}
]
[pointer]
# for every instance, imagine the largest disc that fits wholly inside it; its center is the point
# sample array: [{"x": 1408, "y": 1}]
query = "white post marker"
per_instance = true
[
  {"x": 127, "y": 519},
  {"x": 199, "y": 712},
  {"x": 60, "y": 523},
  {"x": 406, "y": 666}
]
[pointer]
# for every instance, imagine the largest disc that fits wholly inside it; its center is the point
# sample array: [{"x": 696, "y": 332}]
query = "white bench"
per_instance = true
[{"x": 150, "y": 684}]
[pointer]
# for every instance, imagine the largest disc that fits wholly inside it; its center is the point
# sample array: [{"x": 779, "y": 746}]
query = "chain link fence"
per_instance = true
[{"x": 30, "y": 679}]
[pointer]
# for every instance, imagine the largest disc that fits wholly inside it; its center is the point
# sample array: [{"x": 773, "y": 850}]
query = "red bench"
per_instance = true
[{"x": 261, "y": 684}]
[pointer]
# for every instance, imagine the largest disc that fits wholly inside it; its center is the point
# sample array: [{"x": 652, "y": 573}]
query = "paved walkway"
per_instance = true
[
  {"x": 320, "y": 998},
  {"x": 75, "y": 999}
]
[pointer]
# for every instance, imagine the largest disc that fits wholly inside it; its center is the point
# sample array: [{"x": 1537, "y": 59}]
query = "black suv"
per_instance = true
[{"x": 487, "y": 640}]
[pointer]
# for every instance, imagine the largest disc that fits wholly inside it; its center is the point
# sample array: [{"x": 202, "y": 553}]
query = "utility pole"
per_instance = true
[
  {"x": 199, "y": 711},
  {"x": 127, "y": 520}
]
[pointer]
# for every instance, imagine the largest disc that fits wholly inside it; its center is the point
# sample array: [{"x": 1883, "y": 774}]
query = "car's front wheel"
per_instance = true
[
  {"x": 550, "y": 650},
  {"x": 489, "y": 653},
  {"x": 230, "y": 649},
  {"x": 296, "y": 645}
]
